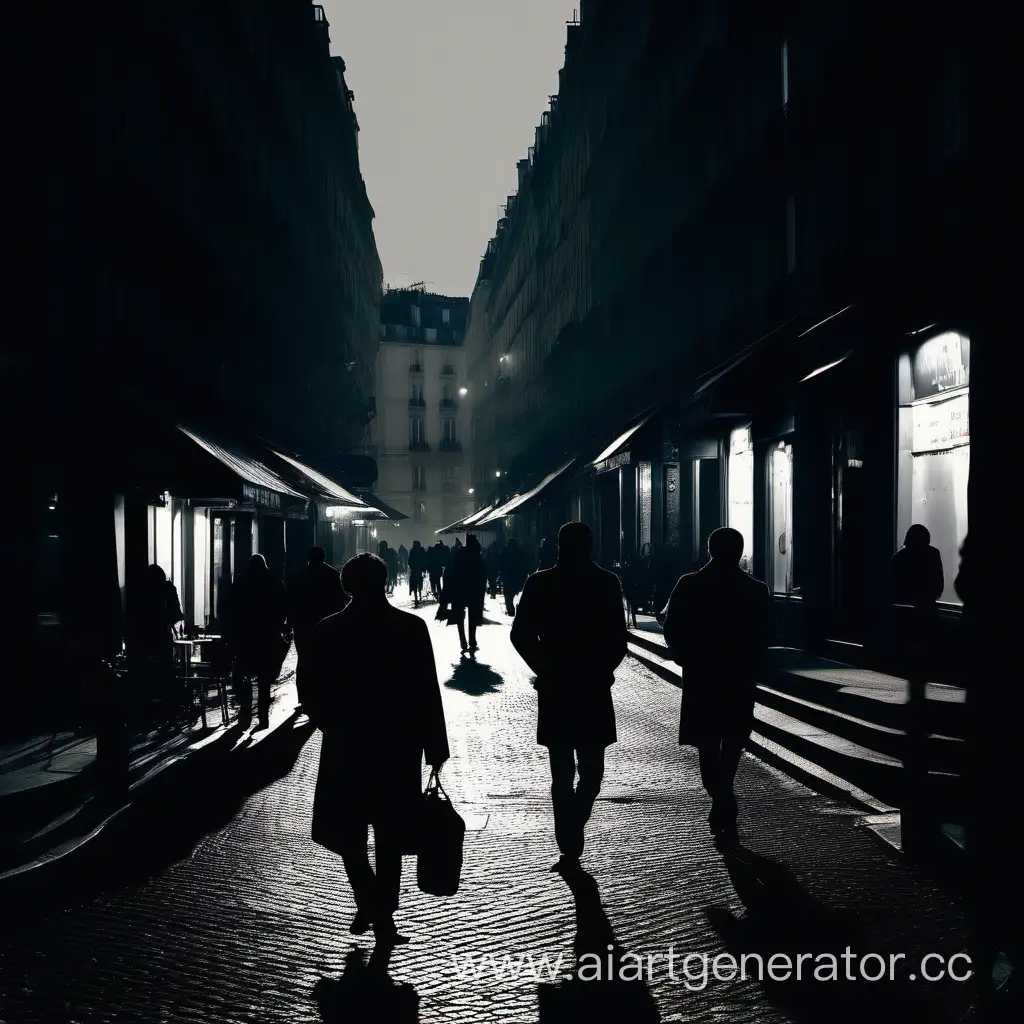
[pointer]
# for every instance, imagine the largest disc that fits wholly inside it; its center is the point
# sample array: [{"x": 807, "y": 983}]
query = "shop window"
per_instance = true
[
  {"x": 741, "y": 491},
  {"x": 935, "y": 446},
  {"x": 780, "y": 475}
]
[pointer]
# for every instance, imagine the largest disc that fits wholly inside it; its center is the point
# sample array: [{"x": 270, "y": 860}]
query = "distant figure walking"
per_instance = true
[
  {"x": 570, "y": 629},
  {"x": 418, "y": 559},
  {"x": 376, "y": 699},
  {"x": 403, "y": 558},
  {"x": 314, "y": 593},
  {"x": 436, "y": 557},
  {"x": 718, "y": 627},
  {"x": 255, "y": 621},
  {"x": 158, "y": 620},
  {"x": 513, "y": 574},
  {"x": 493, "y": 561},
  {"x": 465, "y": 585},
  {"x": 548, "y": 554},
  {"x": 389, "y": 557}
]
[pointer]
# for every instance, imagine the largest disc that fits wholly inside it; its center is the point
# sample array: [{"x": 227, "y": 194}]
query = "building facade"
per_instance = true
[
  {"x": 424, "y": 407},
  {"x": 198, "y": 245},
  {"x": 735, "y": 285}
]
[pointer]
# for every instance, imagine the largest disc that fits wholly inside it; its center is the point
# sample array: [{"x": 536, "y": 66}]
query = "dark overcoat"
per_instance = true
[
  {"x": 570, "y": 628},
  {"x": 374, "y": 695},
  {"x": 718, "y": 627},
  {"x": 465, "y": 586}
]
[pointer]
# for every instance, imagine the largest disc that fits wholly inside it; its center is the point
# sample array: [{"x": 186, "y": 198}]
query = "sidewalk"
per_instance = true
[{"x": 48, "y": 804}]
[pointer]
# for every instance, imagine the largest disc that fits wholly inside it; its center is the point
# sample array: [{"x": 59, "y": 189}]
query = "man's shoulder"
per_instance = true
[{"x": 605, "y": 577}]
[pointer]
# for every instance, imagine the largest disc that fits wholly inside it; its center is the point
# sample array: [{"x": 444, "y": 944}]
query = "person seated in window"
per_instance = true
[{"x": 917, "y": 577}]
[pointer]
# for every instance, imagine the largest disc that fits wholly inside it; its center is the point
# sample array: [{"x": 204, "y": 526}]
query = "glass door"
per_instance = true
[{"x": 849, "y": 509}]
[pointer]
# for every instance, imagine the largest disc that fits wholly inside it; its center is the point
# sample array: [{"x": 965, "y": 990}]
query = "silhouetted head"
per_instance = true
[
  {"x": 917, "y": 537},
  {"x": 317, "y": 554},
  {"x": 726, "y": 545},
  {"x": 155, "y": 576},
  {"x": 365, "y": 577},
  {"x": 416, "y": 544},
  {"x": 472, "y": 544},
  {"x": 575, "y": 542},
  {"x": 382, "y": 546},
  {"x": 512, "y": 545},
  {"x": 258, "y": 564}
]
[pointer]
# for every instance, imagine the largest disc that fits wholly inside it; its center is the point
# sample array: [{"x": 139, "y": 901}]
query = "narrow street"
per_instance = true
[{"x": 252, "y": 925}]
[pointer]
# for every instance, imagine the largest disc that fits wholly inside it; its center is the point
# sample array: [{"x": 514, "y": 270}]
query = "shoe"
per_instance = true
[
  {"x": 565, "y": 865},
  {"x": 360, "y": 924},
  {"x": 474, "y": 647},
  {"x": 386, "y": 934}
]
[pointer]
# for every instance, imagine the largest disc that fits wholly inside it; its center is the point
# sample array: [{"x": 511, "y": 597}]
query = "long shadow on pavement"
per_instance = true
[
  {"x": 365, "y": 992},
  {"x": 782, "y": 918},
  {"x": 597, "y": 993},
  {"x": 475, "y": 678}
]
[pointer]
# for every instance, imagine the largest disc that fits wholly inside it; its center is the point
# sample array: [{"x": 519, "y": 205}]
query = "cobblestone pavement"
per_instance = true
[{"x": 252, "y": 925}]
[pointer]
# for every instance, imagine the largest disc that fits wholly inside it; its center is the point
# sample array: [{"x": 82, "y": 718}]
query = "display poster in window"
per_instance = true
[
  {"x": 942, "y": 425},
  {"x": 942, "y": 364}
]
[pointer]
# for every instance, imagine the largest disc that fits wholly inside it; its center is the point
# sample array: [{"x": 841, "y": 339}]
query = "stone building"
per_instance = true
[
  {"x": 734, "y": 287},
  {"x": 198, "y": 247},
  {"x": 424, "y": 406}
]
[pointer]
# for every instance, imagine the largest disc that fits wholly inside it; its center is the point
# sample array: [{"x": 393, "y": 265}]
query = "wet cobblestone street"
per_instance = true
[{"x": 252, "y": 925}]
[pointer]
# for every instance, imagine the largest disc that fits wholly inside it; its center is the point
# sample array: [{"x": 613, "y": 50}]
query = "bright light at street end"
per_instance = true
[
  {"x": 463, "y": 391},
  {"x": 471, "y": 490},
  {"x": 497, "y": 472}
]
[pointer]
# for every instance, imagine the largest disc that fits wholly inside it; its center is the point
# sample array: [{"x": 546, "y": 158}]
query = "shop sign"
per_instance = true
[
  {"x": 261, "y": 495},
  {"x": 942, "y": 425},
  {"x": 941, "y": 364}
]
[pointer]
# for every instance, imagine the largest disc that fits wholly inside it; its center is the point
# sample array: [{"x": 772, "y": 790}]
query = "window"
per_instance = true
[
  {"x": 416, "y": 430},
  {"x": 416, "y": 363},
  {"x": 741, "y": 490},
  {"x": 780, "y": 470},
  {"x": 446, "y": 394},
  {"x": 414, "y": 312},
  {"x": 446, "y": 316},
  {"x": 449, "y": 478},
  {"x": 785, "y": 74},
  {"x": 449, "y": 429},
  {"x": 415, "y": 393},
  {"x": 935, "y": 447},
  {"x": 419, "y": 478}
]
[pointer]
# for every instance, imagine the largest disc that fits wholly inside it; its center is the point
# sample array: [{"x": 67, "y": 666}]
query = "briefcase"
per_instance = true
[{"x": 439, "y": 846}]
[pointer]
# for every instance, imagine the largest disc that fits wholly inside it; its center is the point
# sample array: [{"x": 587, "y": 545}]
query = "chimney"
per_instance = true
[{"x": 523, "y": 169}]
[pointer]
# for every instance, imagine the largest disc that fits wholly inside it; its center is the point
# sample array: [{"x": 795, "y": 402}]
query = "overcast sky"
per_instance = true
[{"x": 448, "y": 93}]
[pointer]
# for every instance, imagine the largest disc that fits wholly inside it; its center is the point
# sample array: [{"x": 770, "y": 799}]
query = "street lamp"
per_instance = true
[
  {"x": 471, "y": 490},
  {"x": 497, "y": 472},
  {"x": 463, "y": 391}
]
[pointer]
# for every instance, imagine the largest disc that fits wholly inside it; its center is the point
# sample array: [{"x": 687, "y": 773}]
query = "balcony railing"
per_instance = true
[
  {"x": 448, "y": 370},
  {"x": 448, "y": 445},
  {"x": 419, "y": 446},
  {"x": 416, "y": 369},
  {"x": 417, "y": 403},
  {"x": 448, "y": 403}
]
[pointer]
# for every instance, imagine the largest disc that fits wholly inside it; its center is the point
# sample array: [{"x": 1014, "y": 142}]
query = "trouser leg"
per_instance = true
[
  {"x": 242, "y": 685},
  {"x": 568, "y": 833},
  {"x": 264, "y": 684},
  {"x": 388, "y": 858},
  {"x": 472, "y": 631},
  {"x": 462, "y": 634},
  {"x": 356, "y": 858},
  {"x": 591, "y": 769}
]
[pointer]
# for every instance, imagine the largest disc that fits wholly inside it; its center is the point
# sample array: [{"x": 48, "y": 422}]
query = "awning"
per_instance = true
[
  {"x": 518, "y": 503},
  {"x": 460, "y": 525},
  {"x": 247, "y": 469},
  {"x": 324, "y": 485},
  {"x": 623, "y": 439},
  {"x": 373, "y": 503}
]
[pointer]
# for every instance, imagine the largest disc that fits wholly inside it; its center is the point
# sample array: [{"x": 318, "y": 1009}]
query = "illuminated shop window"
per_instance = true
[{"x": 741, "y": 490}]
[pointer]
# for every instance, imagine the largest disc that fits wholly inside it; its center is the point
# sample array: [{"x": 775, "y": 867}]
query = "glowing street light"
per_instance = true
[
  {"x": 463, "y": 391},
  {"x": 471, "y": 490},
  {"x": 497, "y": 472}
]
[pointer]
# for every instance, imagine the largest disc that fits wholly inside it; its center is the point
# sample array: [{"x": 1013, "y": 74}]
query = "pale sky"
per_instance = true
[{"x": 448, "y": 93}]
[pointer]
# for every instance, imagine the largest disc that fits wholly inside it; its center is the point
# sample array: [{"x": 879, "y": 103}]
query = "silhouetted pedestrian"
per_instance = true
[
  {"x": 570, "y": 629},
  {"x": 403, "y": 558},
  {"x": 493, "y": 561},
  {"x": 313, "y": 593},
  {"x": 418, "y": 560},
  {"x": 389, "y": 557},
  {"x": 376, "y": 699},
  {"x": 157, "y": 622},
  {"x": 513, "y": 574},
  {"x": 718, "y": 627},
  {"x": 255, "y": 620},
  {"x": 465, "y": 585},
  {"x": 435, "y": 568}
]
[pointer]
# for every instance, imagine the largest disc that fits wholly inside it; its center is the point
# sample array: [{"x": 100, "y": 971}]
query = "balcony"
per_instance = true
[
  {"x": 417, "y": 403},
  {"x": 448, "y": 445},
  {"x": 415, "y": 370},
  {"x": 447, "y": 370},
  {"x": 419, "y": 446},
  {"x": 448, "y": 404}
]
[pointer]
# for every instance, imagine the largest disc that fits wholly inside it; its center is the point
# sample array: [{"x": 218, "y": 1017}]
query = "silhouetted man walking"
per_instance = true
[
  {"x": 570, "y": 629},
  {"x": 314, "y": 593},
  {"x": 718, "y": 625},
  {"x": 375, "y": 698}
]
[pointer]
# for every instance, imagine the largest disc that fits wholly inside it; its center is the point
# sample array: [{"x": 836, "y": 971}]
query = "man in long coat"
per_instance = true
[
  {"x": 314, "y": 592},
  {"x": 571, "y": 630},
  {"x": 376, "y": 699},
  {"x": 718, "y": 626}
]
